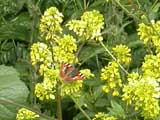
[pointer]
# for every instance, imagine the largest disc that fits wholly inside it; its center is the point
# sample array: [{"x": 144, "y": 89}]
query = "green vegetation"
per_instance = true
[{"x": 79, "y": 60}]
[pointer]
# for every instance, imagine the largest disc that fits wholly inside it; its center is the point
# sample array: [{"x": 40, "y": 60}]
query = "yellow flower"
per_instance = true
[
  {"x": 110, "y": 74},
  {"x": 103, "y": 116},
  {"x": 64, "y": 51},
  {"x": 141, "y": 93},
  {"x": 45, "y": 90},
  {"x": 122, "y": 53},
  {"x": 87, "y": 73},
  {"x": 149, "y": 34},
  {"x": 70, "y": 88},
  {"x": 115, "y": 93},
  {"x": 25, "y": 114},
  {"x": 58, "y": 49},
  {"x": 151, "y": 66},
  {"x": 40, "y": 54},
  {"x": 50, "y": 26},
  {"x": 90, "y": 25}
]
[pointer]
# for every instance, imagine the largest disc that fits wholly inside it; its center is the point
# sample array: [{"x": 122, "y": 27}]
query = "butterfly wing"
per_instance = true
[
  {"x": 68, "y": 73},
  {"x": 65, "y": 68},
  {"x": 78, "y": 76}
]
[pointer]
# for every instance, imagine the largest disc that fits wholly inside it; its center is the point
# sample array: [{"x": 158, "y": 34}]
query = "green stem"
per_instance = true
[
  {"x": 97, "y": 61},
  {"x": 107, "y": 50},
  {"x": 32, "y": 85},
  {"x": 85, "y": 4},
  {"x": 35, "y": 13},
  {"x": 80, "y": 108},
  {"x": 22, "y": 106},
  {"x": 117, "y": 1},
  {"x": 154, "y": 4},
  {"x": 123, "y": 8},
  {"x": 59, "y": 107},
  {"x": 138, "y": 3}
]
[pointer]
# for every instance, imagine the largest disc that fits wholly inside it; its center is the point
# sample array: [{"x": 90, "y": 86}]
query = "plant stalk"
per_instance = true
[
  {"x": 113, "y": 57},
  {"x": 80, "y": 108},
  {"x": 124, "y": 9},
  {"x": 2, "y": 100},
  {"x": 59, "y": 107}
]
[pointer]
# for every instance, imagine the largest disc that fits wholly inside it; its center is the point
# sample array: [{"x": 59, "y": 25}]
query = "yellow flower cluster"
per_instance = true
[
  {"x": 122, "y": 53},
  {"x": 142, "y": 92},
  {"x": 150, "y": 34},
  {"x": 110, "y": 74},
  {"x": 70, "y": 88},
  {"x": 64, "y": 51},
  {"x": 134, "y": 76},
  {"x": 103, "y": 116},
  {"x": 87, "y": 73},
  {"x": 46, "y": 89},
  {"x": 151, "y": 66},
  {"x": 50, "y": 55},
  {"x": 40, "y": 54},
  {"x": 90, "y": 25},
  {"x": 146, "y": 89},
  {"x": 50, "y": 25},
  {"x": 25, "y": 114}
]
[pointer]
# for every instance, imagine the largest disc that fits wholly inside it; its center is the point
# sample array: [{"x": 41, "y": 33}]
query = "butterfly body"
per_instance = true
[{"x": 69, "y": 73}]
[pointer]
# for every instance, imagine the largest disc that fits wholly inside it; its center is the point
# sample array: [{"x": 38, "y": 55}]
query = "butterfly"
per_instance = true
[{"x": 69, "y": 73}]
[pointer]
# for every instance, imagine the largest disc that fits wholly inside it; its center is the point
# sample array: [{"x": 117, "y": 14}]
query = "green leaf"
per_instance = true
[
  {"x": 18, "y": 28},
  {"x": 101, "y": 102},
  {"x": 156, "y": 7},
  {"x": 117, "y": 110},
  {"x": 89, "y": 52},
  {"x": 98, "y": 92},
  {"x": 11, "y": 7},
  {"x": 158, "y": 118},
  {"x": 11, "y": 89},
  {"x": 97, "y": 4}
]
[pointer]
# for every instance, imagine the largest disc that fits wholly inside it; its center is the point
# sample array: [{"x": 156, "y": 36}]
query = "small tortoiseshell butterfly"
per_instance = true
[{"x": 68, "y": 73}]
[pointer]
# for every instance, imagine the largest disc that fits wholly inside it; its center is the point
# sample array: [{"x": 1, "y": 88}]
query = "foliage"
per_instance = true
[
  {"x": 115, "y": 44},
  {"x": 11, "y": 90}
]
